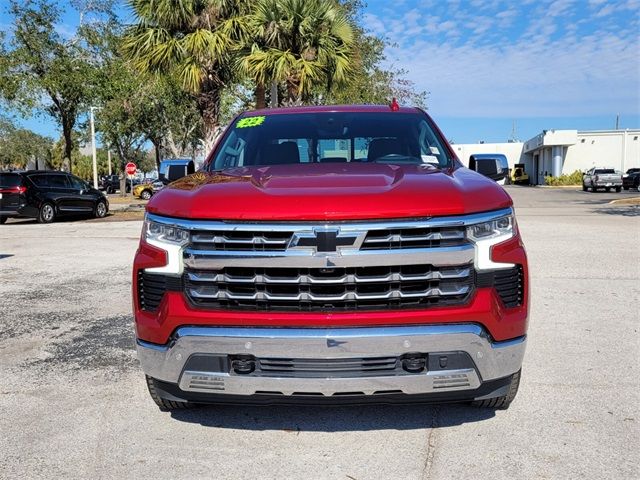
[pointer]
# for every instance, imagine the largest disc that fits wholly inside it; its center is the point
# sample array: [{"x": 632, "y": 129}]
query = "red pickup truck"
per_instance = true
[{"x": 331, "y": 254}]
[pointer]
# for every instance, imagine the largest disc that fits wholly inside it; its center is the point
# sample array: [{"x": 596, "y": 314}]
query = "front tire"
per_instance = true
[
  {"x": 584, "y": 188},
  {"x": 594, "y": 189},
  {"x": 3, "y": 220},
  {"x": 502, "y": 403},
  {"x": 618, "y": 189},
  {"x": 47, "y": 213},
  {"x": 165, "y": 405},
  {"x": 100, "y": 210},
  {"x": 145, "y": 195}
]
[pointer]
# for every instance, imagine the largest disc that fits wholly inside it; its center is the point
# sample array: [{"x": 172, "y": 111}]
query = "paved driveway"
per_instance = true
[{"x": 74, "y": 405}]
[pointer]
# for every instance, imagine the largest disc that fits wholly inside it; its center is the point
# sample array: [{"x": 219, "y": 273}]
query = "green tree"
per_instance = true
[
  {"x": 194, "y": 40},
  {"x": 301, "y": 43},
  {"x": 140, "y": 106},
  {"x": 40, "y": 70},
  {"x": 19, "y": 147}
]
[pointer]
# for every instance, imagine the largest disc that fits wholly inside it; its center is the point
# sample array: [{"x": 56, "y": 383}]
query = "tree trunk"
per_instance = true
[
  {"x": 209, "y": 107},
  {"x": 156, "y": 147},
  {"x": 293, "y": 91},
  {"x": 261, "y": 94},
  {"x": 171, "y": 144},
  {"x": 274, "y": 94},
  {"x": 67, "y": 134}
]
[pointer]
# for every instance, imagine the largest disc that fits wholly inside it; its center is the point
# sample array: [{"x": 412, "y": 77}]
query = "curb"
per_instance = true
[
  {"x": 626, "y": 201},
  {"x": 123, "y": 207}
]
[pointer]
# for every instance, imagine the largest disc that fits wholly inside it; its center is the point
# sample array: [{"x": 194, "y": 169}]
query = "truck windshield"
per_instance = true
[{"x": 331, "y": 137}]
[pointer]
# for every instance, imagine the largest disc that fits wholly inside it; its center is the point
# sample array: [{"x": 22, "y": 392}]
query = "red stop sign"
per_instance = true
[{"x": 130, "y": 168}]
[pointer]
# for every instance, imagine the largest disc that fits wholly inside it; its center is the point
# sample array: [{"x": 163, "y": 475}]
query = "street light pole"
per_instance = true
[
  {"x": 93, "y": 150},
  {"x": 109, "y": 159}
]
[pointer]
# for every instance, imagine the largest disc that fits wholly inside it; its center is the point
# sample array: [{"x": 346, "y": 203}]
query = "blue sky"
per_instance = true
[{"x": 544, "y": 64}]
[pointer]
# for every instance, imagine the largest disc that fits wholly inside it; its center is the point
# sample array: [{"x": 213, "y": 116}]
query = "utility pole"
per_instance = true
[
  {"x": 93, "y": 150},
  {"x": 618, "y": 121},
  {"x": 109, "y": 159}
]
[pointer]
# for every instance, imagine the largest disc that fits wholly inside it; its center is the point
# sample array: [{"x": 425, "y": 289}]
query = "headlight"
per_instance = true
[
  {"x": 161, "y": 232},
  {"x": 500, "y": 227}
]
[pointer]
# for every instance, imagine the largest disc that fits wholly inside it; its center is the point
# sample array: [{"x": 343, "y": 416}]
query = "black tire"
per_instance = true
[
  {"x": 626, "y": 188},
  {"x": 101, "y": 210},
  {"x": 165, "y": 405},
  {"x": 607, "y": 189},
  {"x": 47, "y": 213},
  {"x": 502, "y": 403},
  {"x": 594, "y": 189},
  {"x": 618, "y": 189},
  {"x": 145, "y": 195},
  {"x": 584, "y": 188},
  {"x": 3, "y": 220}
]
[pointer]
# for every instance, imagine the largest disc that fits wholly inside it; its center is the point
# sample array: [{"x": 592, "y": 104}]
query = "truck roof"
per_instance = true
[{"x": 327, "y": 108}]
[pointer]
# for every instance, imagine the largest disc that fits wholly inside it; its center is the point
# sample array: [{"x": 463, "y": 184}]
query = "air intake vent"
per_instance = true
[
  {"x": 151, "y": 288},
  {"x": 510, "y": 286},
  {"x": 347, "y": 367}
]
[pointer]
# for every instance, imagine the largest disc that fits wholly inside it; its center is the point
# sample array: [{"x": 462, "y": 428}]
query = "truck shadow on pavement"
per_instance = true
[
  {"x": 296, "y": 419},
  {"x": 624, "y": 211}
]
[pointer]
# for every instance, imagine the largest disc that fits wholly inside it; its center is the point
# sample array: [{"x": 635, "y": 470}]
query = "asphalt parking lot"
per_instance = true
[{"x": 74, "y": 404}]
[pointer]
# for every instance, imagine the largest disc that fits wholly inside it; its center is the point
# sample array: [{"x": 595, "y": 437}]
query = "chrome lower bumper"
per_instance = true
[{"x": 493, "y": 360}]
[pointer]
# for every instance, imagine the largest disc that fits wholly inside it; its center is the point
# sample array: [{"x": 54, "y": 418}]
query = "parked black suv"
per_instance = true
[
  {"x": 46, "y": 195},
  {"x": 631, "y": 179},
  {"x": 111, "y": 184}
]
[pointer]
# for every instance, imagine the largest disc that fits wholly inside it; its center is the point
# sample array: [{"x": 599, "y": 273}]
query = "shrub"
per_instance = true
[{"x": 574, "y": 178}]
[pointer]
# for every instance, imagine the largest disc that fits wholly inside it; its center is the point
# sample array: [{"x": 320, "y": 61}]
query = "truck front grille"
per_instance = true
[
  {"x": 326, "y": 289},
  {"x": 413, "y": 238},
  {"x": 274, "y": 240},
  {"x": 253, "y": 241}
]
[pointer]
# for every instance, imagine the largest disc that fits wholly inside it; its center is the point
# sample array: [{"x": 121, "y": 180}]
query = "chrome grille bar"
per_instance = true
[
  {"x": 399, "y": 237},
  {"x": 216, "y": 260},
  {"x": 310, "y": 279},
  {"x": 214, "y": 293}
]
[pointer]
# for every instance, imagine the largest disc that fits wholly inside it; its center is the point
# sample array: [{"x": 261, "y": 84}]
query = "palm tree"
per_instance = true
[
  {"x": 303, "y": 43},
  {"x": 193, "y": 39}
]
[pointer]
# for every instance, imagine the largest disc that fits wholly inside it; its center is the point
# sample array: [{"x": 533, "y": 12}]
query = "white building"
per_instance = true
[{"x": 556, "y": 152}]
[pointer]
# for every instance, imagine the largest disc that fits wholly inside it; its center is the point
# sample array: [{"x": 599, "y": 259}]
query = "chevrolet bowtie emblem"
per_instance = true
[{"x": 324, "y": 240}]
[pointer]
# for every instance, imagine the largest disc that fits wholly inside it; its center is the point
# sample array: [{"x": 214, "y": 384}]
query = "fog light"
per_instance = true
[
  {"x": 243, "y": 366},
  {"x": 414, "y": 364}
]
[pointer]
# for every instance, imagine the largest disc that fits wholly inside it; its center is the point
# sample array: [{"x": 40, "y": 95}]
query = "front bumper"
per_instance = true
[{"x": 175, "y": 363}]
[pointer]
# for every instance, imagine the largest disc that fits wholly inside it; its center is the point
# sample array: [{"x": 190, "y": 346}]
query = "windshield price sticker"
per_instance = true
[{"x": 250, "y": 122}]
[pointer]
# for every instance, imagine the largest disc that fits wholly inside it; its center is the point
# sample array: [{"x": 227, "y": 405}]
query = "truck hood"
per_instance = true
[{"x": 329, "y": 192}]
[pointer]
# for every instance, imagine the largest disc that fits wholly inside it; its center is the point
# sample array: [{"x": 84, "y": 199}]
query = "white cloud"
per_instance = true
[
  {"x": 604, "y": 11},
  {"x": 556, "y": 58},
  {"x": 373, "y": 24}
]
